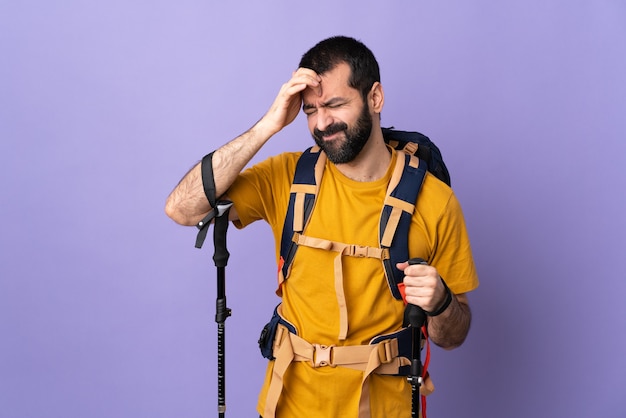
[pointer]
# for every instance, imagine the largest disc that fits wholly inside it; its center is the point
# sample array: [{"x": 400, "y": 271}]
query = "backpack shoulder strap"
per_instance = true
[
  {"x": 304, "y": 189},
  {"x": 404, "y": 187},
  {"x": 396, "y": 215}
]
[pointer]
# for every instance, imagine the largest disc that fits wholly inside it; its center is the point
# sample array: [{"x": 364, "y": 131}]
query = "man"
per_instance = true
[{"x": 332, "y": 300}]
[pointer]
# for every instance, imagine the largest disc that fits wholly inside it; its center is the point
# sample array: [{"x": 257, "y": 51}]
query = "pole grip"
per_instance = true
[
  {"x": 220, "y": 257},
  {"x": 417, "y": 319}
]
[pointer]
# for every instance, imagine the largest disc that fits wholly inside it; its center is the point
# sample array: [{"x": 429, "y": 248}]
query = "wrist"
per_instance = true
[
  {"x": 265, "y": 128},
  {"x": 446, "y": 301}
]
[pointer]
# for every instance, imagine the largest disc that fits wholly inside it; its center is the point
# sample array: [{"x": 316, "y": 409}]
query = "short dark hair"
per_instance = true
[{"x": 329, "y": 53}]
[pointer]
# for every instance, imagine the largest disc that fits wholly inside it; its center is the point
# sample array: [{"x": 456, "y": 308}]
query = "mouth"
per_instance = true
[
  {"x": 331, "y": 133},
  {"x": 332, "y": 136}
]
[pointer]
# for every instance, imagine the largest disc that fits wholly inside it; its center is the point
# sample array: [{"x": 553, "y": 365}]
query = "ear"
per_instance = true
[{"x": 376, "y": 98}]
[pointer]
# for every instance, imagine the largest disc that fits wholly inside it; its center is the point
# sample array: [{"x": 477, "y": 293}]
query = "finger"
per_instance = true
[
  {"x": 296, "y": 86},
  {"x": 310, "y": 78},
  {"x": 290, "y": 90},
  {"x": 414, "y": 269},
  {"x": 309, "y": 72},
  {"x": 402, "y": 266}
]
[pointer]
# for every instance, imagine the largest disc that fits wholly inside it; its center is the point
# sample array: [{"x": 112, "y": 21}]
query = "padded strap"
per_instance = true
[
  {"x": 284, "y": 356},
  {"x": 304, "y": 189},
  {"x": 208, "y": 181},
  {"x": 404, "y": 187}
]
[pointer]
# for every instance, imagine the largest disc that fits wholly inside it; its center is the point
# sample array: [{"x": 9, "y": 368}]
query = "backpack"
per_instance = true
[{"x": 420, "y": 155}]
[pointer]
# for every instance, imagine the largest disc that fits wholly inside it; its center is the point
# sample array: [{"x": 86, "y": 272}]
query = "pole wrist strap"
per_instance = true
[{"x": 208, "y": 183}]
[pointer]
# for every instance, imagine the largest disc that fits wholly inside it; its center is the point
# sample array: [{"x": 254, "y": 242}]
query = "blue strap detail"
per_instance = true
[
  {"x": 266, "y": 339},
  {"x": 305, "y": 174},
  {"x": 405, "y": 346},
  {"x": 407, "y": 190}
]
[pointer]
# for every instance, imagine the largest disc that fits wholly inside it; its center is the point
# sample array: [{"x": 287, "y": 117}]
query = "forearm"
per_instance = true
[
  {"x": 449, "y": 329},
  {"x": 187, "y": 204}
]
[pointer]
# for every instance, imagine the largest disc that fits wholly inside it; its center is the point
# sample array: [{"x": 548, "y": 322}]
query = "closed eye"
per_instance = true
[{"x": 334, "y": 103}]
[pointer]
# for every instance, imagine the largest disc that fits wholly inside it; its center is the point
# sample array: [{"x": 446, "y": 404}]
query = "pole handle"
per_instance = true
[
  {"x": 417, "y": 319},
  {"x": 219, "y": 233},
  {"x": 417, "y": 316}
]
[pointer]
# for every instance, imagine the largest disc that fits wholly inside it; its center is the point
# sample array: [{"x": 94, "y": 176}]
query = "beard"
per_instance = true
[{"x": 341, "y": 151}]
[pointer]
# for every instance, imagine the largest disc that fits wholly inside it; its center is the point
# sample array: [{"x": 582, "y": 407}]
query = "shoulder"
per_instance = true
[
  {"x": 276, "y": 166},
  {"x": 435, "y": 195},
  {"x": 262, "y": 190},
  {"x": 437, "y": 205},
  {"x": 282, "y": 159}
]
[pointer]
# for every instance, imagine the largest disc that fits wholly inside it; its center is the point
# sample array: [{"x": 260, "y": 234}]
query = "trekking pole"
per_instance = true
[
  {"x": 417, "y": 318},
  {"x": 222, "y": 312}
]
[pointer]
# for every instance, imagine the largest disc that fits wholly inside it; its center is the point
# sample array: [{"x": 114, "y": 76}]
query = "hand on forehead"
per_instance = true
[
  {"x": 332, "y": 82},
  {"x": 310, "y": 78}
]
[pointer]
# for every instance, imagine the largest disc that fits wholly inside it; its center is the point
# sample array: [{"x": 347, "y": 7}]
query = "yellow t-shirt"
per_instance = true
[{"x": 348, "y": 211}]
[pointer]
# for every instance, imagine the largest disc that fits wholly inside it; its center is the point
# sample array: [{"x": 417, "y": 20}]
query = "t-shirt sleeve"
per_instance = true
[
  {"x": 453, "y": 253},
  {"x": 261, "y": 192}
]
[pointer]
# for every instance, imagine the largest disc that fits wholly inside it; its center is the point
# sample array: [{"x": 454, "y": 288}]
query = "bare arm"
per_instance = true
[
  {"x": 187, "y": 204},
  {"x": 424, "y": 288},
  {"x": 449, "y": 329}
]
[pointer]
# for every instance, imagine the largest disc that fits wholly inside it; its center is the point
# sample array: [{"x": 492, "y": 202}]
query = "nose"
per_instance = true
[{"x": 324, "y": 119}]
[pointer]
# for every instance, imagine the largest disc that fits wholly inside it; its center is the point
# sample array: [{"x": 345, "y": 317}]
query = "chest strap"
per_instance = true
[
  {"x": 380, "y": 358},
  {"x": 341, "y": 249}
]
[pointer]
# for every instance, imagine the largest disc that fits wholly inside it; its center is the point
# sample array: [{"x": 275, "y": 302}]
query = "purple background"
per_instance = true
[{"x": 107, "y": 310}]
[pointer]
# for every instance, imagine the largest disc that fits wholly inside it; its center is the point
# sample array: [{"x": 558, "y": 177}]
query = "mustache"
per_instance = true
[{"x": 330, "y": 130}]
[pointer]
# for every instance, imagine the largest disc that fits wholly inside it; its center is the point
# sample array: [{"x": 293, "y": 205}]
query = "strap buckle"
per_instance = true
[
  {"x": 384, "y": 351},
  {"x": 410, "y": 148},
  {"x": 360, "y": 251},
  {"x": 322, "y": 355}
]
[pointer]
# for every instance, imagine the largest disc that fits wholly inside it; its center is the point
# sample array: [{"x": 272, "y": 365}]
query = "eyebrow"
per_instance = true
[{"x": 333, "y": 101}]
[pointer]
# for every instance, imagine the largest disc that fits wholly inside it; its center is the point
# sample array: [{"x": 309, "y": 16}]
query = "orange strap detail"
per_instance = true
[{"x": 341, "y": 249}]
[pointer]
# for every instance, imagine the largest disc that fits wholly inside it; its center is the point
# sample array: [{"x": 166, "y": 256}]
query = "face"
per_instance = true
[{"x": 339, "y": 120}]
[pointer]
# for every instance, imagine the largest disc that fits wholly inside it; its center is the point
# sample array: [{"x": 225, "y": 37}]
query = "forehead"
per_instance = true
[{"x": 334, "y": 84}]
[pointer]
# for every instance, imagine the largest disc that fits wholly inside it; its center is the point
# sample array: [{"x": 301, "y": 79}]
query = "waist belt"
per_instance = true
[{"x": 380, "y": 358}]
